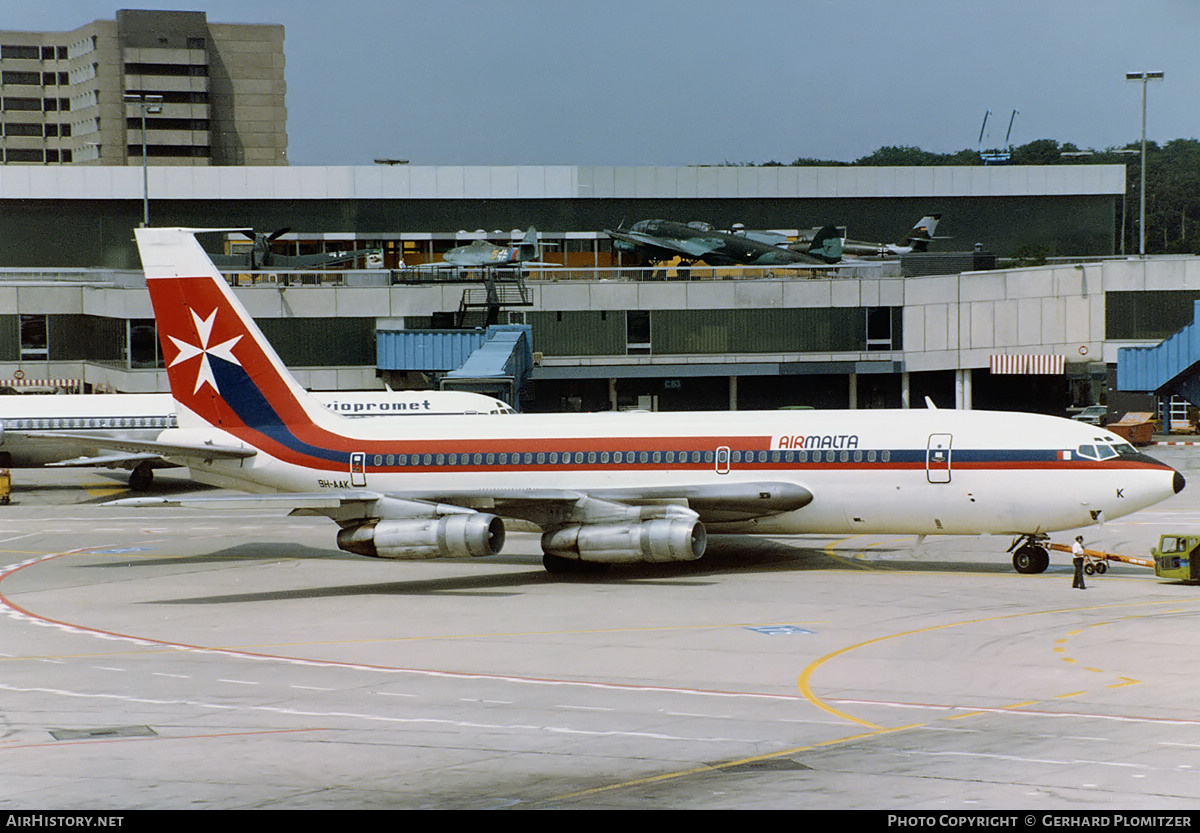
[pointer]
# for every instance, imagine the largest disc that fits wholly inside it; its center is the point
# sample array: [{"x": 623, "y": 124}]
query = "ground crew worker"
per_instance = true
[{"x": 1077, "y": 558}]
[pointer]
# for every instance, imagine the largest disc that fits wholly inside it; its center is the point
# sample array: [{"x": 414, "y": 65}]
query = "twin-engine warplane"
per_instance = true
[
  {"x": 663, "y": 240},
  {"x": 611, "y": 488}
]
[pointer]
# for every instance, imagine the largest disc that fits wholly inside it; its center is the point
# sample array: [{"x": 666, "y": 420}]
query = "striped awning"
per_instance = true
[
  {"x": 1026, "y": 363},
  {"x": 26, "y": 382}
]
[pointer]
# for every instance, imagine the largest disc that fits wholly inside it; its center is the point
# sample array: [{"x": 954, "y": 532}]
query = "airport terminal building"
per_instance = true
[{"x": 603, "y": 335}]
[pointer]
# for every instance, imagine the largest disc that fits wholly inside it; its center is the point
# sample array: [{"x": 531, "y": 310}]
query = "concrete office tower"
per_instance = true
[{"x": 213, "y": 93}]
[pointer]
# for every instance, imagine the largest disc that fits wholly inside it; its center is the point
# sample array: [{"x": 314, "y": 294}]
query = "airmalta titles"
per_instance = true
[{"x": 815, "y": 441}]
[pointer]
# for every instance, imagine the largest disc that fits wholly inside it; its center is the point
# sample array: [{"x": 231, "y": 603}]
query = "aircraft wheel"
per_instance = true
[
  {"x": 1031, "y": 559},
  {"x": 141, "y": 478}
]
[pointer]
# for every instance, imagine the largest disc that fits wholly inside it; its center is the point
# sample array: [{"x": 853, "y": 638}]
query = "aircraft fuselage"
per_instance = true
[{"x": 908, "y": 471}]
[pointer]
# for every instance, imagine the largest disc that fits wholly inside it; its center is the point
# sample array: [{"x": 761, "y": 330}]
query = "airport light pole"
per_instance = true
[
  {"x": 1145, "y": 78},
  {"x": 147, "y": 103}
]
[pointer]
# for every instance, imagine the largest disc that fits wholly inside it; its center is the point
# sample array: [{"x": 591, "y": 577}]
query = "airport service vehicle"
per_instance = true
[
  {"x": 1175, "y": 557},
  {"x": 610, "y": 488},
  {"x": 1092, "y": 414}
]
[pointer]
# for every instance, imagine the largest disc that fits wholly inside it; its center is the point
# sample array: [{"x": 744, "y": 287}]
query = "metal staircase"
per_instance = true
[{"x": 480, "y": 305}]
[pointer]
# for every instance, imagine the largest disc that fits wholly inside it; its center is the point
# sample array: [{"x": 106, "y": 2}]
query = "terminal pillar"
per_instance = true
[{"x": 962, "y": 388}]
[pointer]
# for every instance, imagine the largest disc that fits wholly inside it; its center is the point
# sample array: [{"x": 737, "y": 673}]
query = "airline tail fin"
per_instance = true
[
  {"x": 222, "y": 370},
  {"x": 826, "y": 245}
]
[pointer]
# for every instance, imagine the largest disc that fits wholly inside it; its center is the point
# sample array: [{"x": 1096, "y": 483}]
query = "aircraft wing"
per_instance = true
[
  {"x": 231, "y": 261},
  {"x": 108, "y": 460},
  {"x": 692, "y": 247},
  {"x": 710, "y": 503},
  {"x": 295, "y": 502},
  {"x": 771, "y": 238},
  {"x": 152, "y": 448},
  {"x": 307, "y": 261}
]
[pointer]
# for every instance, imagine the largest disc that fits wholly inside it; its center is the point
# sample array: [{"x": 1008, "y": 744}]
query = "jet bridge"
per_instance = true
[
  {"x": 496, "y": 361},
  {"x": 1172, "y": 367}
]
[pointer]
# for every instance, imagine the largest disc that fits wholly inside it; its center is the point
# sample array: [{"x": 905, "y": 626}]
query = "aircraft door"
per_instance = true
[
  {"x": 722, "y": 460},
  {"x": 937, "y": 458},
  {"x": 358, "y": 468}
]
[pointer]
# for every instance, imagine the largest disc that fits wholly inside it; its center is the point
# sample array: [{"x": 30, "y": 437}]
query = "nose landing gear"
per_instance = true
[{"x": 1029, "y": 554}]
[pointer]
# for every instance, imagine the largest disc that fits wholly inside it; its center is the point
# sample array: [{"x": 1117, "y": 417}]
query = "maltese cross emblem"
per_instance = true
[{"x": 224, "y": 350}]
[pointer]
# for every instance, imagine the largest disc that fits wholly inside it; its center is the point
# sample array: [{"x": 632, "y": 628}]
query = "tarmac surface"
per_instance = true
[{"x": 168, "y": 659}]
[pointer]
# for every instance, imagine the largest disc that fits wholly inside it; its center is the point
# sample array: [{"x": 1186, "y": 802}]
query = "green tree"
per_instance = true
[{"x": 1172, "y": 181}]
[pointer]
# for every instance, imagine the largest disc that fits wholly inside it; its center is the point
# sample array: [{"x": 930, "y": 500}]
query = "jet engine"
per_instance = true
[
  {"x": 450, "y": 536},
  {"x": 678, "y": 539}
]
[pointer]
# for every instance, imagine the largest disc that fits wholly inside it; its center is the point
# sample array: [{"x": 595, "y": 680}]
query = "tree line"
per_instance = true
[{"x": 1172, "y": 182}]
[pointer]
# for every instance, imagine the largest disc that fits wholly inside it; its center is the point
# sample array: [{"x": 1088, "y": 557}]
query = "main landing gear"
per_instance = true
[
  {"x": 141, "y": 477},
  {"x": 1029, "y": 554}
]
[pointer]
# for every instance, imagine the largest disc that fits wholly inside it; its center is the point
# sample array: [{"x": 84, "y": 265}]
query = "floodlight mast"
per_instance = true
[
  {"x": 147, "y": 103},
  {"x": 1145, "y": 78}
]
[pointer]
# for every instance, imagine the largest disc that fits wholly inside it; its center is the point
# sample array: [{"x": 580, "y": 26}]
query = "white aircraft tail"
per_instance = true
[{"x": 222, "y": 370}]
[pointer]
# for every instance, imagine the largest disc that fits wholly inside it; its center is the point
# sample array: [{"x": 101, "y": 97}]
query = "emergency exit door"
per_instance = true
[{"x": 937, "y": 459}]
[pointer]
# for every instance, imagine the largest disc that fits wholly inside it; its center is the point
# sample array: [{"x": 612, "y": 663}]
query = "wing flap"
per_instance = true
[{"x": 110, "y": 460}]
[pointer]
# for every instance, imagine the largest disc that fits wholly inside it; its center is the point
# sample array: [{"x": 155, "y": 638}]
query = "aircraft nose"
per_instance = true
[{"x": 1178, "y": 483}]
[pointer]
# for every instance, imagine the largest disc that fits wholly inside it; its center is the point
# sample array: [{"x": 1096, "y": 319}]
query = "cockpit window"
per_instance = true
[{"x": 1101, "y": 450}]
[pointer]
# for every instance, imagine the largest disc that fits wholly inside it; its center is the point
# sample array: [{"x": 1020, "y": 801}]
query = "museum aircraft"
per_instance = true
[
  {"x": 917, "y": 240},
  {"x": 73, "y": 430},
  {"x": 664, "y": 240},
  {"x": 483, "y": 254},
  {"x": 610, "y": 488},
  {"x": 261, "y": 254}
]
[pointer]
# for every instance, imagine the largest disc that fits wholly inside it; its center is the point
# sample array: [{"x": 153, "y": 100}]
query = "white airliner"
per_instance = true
[
  {"x": 73, "y": 429},
  {"x": 613, "y": 487}
]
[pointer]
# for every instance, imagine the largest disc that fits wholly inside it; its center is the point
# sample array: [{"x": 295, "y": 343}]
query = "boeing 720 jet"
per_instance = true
[{"x": 610, "y": 488}]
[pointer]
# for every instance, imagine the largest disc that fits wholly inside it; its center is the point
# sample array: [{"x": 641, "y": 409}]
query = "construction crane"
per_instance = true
[{"x": 993, "y": 157}]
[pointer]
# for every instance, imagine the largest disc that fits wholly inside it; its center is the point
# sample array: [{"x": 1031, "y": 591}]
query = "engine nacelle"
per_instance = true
[
  {"x": 679, "y": 539},
  {"x": 450, "y": 536}
]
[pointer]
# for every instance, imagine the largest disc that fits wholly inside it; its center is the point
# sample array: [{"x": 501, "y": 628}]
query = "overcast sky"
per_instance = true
[{"x": 680, "y": 82}]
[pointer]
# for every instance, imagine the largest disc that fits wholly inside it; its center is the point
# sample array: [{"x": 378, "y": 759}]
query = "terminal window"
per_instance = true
[{"x": 34, "y": 342}]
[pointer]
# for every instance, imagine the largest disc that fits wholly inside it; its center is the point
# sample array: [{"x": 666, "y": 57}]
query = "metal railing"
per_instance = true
[{"x": 417, "y": 276}]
